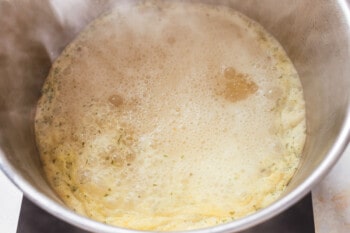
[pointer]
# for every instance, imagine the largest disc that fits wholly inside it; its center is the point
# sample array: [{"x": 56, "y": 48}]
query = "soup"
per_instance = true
[{"x": 170, "y": 116}]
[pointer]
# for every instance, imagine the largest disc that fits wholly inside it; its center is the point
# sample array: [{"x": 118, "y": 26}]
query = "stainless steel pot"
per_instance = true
[{"x": 315, "y": 34}]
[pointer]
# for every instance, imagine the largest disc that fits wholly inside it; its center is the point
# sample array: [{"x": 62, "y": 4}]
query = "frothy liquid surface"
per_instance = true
[{"x": 171, "y": 117}]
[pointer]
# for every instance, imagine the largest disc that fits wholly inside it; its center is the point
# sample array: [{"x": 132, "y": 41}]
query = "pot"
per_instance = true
[{"x": 315, "y": 35}]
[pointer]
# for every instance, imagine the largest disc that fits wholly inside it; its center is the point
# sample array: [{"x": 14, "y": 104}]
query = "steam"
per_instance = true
[
  {"x": 55, "y": 23},
  {"x": 71, "y": 13}
]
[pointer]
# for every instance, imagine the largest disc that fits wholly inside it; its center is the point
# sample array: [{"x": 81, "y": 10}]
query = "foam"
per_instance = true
[{"x": 171, "y": 117}]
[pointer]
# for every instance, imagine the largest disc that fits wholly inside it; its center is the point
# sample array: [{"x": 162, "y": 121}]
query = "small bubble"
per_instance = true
[{"x": 116, "y": 100}]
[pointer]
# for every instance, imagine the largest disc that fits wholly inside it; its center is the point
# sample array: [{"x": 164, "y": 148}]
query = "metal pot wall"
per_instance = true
[{"x": 315, "y": 34}]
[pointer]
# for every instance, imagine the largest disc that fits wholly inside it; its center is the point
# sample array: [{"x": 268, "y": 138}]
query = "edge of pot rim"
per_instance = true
[{"x": 260, "y": 216}]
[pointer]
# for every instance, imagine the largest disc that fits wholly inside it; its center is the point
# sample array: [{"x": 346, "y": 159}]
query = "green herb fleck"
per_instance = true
[{"x": 120, "y": 137}]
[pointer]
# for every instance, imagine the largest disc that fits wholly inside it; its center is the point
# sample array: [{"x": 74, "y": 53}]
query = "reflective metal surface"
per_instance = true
[{"x": 314, "y": 33}]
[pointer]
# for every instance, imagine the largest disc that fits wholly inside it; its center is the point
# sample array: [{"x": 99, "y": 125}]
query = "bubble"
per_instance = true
[{"x": 116, "y": 100}]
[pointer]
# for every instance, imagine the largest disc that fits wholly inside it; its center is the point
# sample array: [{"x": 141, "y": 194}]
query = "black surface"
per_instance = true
[{"x": 297, "y": 219}]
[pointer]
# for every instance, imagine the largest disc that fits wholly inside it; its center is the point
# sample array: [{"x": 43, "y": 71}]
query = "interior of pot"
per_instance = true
[{"x": 315, "y": 35}]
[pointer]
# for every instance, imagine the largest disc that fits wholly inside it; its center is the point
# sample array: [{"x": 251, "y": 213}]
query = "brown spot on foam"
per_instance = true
[
  {"x": 116, "y": 100},
  {"x": 171, "y": 40},
  {"x": 238, "y": 86}
]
